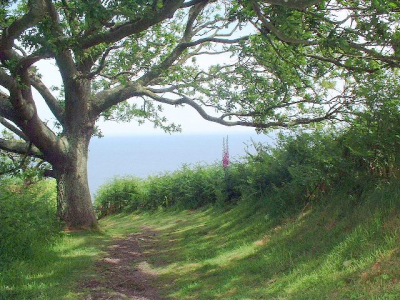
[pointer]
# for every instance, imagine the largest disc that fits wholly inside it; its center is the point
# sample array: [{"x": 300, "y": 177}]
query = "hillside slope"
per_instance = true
[{"x": 344, "y": 248}]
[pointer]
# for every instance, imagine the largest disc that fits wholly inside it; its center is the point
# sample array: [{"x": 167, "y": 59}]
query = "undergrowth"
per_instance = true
[{"x": 37, "y": 259}]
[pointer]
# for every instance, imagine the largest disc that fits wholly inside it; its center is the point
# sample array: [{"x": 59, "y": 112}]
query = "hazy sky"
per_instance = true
[{"x": 187, "y": 117}]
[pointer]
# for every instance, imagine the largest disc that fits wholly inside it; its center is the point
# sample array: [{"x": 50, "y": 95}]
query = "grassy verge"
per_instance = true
[
  {"x": 340, "y": 250},
  {"x": 55, "y": 272}
]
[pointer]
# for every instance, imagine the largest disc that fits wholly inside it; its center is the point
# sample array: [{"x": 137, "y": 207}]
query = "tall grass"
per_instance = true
[
  {"x": 188, "y": 188},
  {"x": 28, "y": 221}
]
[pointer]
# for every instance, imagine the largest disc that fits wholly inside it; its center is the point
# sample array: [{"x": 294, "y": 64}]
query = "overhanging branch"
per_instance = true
[
  {"x": 220, "y": 120},
  {"x": 14, "y": 129},
  {"x": 296, "y": 4},
  {"x": 105, "y": 99},
  {"x": 179, "y": 49},
  {"x": 20, "y": 147},
  {"x": 36, "y": 11}
]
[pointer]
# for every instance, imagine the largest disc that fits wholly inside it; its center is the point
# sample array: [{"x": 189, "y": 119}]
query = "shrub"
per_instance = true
[
  {"x": 28, "y": 221},
  {"x": 189, "y": 187},
  {"x": 372, "y": 142},
  {"x": 293, "y": 172},
  {"x": 298, "y": 170},
  {"x": 117, "y": 195}
]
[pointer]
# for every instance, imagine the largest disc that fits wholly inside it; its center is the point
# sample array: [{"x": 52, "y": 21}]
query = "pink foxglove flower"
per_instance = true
[{"x": 225, "y": 153}]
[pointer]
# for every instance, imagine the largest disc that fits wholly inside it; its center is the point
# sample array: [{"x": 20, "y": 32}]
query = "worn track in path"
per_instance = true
[{"x": 124, "y": 273}]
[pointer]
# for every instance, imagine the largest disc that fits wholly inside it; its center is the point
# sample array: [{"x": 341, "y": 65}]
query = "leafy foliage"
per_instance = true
[
  {"x": 373, "y": 138},
  {"x": 24, "y": 167},
  {"x": 190, "y": 187},
  {"x": 117, "y": 195},
  {"x": 27, "y": 221},
  {"x": 300, "y": 169}
]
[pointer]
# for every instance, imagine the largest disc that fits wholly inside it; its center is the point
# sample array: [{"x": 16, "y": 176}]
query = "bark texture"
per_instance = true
[{"x": 74, "y": 205}]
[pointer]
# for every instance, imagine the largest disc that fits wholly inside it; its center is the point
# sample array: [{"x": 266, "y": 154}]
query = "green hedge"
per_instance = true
[
  {"x": 300, "y": 168},
  {"x": 120, "y": 193}
]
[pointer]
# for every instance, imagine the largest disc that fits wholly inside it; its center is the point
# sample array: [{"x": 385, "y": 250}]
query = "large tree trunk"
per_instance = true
[{"x": 74, "y": 200}]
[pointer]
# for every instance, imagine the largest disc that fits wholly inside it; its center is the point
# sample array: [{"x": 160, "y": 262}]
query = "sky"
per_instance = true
[{"x": 190, "y": 121}]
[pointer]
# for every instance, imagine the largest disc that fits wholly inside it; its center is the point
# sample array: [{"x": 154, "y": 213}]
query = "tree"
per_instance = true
[{"x": 118, "y": 58}]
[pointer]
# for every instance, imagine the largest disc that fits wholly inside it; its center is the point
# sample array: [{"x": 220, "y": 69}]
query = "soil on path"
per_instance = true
[{"x": 124, "y": 272}]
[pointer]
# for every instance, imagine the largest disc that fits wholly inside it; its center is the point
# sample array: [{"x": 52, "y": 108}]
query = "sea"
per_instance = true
[{"x": 147, "y": 155}]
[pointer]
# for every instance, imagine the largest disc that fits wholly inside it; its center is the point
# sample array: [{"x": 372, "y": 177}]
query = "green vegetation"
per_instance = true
[
  {"x": 322, "y": 252},
  {"x": 314, "y": 217},
  {"x": 37, "y": 259},
  {"x": 338, "y": 248},
  {"x": 55, "y": 271},
  {"x": 263, "y": 64},
  {"x": 27, "y": 221}
]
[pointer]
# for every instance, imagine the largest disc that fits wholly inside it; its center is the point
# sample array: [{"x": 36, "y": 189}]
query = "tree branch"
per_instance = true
[
  {"x": 26, "y": 61},
  {"x": 179, "y": 49},
  {"x": 296, "y": 4},
  {"x": 20, "y": 108},
  {"x": 20, "y": 147},
  {"x": 194, "y": 12},
  {"x": 14, "y": 129},
  {"x": 136, "y": 26},
  {"x": 102, "y": 62},
  {"x": 63, "y": 56},
  {"x": 339, "y": 64},
  {"x": 35, "y": 13},
  {"x": 280, "y": 35},
  {"x": 48, "y": 97},
  {"x": 192, "y": 2},
  {"x": 105, "y": 99},
  {"x": 7, "y": 81},
  {"x": 220, "y": 120},
  {"x": 390, "y": 60}
]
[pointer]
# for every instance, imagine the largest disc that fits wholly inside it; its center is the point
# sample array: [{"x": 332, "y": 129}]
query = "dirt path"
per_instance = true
[{"x": 124, "y": 272}]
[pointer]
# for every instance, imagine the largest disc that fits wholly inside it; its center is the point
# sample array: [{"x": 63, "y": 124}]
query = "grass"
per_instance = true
[
  {"x": 342, "y": 249},
  {"x": 325, "y": 252},
  {"x": 55, "y": 272}
]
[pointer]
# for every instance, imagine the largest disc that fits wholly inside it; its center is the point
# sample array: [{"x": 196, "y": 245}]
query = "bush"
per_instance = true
[
  {"x": 117, "y": 195},
  {"x": 372, "y": 142},
  {"x": 188, "y": 188},
  {"x": 28, "y": 221},
  {"x": 294, "y": 172},
  {"x": 300, "y": 169}
]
